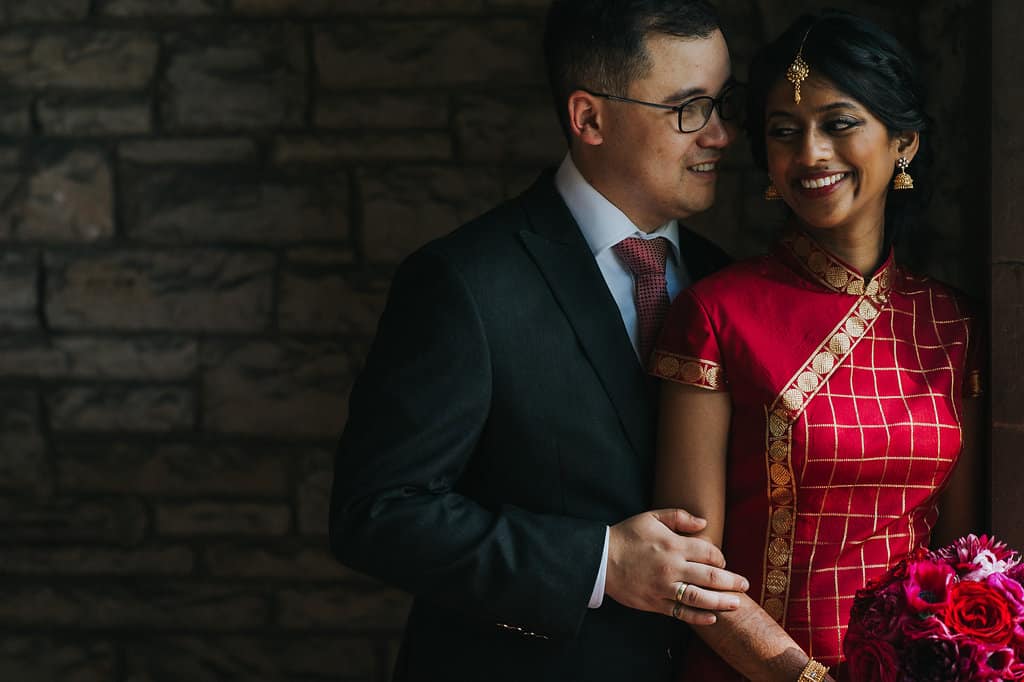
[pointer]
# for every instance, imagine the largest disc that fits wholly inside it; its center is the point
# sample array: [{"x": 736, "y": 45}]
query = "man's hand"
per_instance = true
[{"x": 649, "y": 555}]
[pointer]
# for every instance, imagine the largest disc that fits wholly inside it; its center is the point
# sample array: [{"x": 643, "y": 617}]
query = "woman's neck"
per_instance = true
[{"x": 860, "y": 248}]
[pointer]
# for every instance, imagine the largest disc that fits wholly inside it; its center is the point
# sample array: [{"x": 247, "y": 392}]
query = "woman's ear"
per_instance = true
[
  {"x": 586, "y": 116},
  {"x": 907, "y": 143}
]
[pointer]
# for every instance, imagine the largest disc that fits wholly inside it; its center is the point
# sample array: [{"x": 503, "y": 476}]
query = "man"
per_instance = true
[{"x": 498, "y": 458}]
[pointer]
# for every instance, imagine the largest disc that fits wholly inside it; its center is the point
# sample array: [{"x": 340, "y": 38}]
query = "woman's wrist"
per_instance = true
[{"x": 813, "y": 672}]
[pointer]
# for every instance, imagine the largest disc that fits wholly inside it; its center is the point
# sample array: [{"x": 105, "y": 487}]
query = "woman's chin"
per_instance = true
[{"x": 819, "y": 220}]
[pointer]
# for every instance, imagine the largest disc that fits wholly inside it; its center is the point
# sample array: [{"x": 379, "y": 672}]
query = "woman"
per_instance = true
[{"x": 814, "y": 406}]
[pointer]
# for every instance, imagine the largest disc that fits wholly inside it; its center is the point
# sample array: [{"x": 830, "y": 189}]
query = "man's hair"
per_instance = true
[{"x": 599, "y": 44}]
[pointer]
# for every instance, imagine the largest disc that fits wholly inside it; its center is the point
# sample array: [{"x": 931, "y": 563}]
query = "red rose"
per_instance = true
[
  {"x": 935, "y": 659},
  {"x": 870, "y": 660},
  {"x": 979, "y": 611},
  {"x": 880, "y": 615}
]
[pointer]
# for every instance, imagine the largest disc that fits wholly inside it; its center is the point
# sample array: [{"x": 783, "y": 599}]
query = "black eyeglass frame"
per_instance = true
[{"x": 716, "y": 105}]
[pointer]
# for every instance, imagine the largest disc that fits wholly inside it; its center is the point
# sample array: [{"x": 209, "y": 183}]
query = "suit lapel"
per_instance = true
[{"x": 564, "y": 259}]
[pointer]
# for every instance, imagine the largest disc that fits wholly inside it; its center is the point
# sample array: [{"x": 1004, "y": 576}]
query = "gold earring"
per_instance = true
[
  {"x": 903, "y": 179},
  {"x": 771, "y": 192}
]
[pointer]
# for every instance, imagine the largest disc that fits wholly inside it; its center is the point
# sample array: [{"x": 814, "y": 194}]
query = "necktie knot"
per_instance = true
[{"x": 645, "y": 258}]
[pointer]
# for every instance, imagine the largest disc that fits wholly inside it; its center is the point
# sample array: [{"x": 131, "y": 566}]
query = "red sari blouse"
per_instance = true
[{"x": 846, "y": 397}]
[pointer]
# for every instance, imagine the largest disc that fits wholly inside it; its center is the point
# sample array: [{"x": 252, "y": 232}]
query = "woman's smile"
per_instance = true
[
  {"x": 832, "y": 158},
  {"x": 821, "y": 184}
]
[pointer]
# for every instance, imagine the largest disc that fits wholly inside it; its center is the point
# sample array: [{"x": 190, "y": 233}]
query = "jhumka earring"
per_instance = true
[
  {"x": 771, "y": 193},
  {"x": 799, "y": 70},
  {"x": 903, "y": 179}
]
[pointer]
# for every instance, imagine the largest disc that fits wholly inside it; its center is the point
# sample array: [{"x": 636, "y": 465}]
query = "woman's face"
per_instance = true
[{"x": 830, "y": 158}]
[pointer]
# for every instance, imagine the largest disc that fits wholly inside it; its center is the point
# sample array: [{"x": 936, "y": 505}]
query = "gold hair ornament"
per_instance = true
[{"x": 798, "y": 71}]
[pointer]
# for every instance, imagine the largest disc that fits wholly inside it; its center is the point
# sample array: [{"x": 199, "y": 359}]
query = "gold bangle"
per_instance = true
[{"x": 813, "y": 672}]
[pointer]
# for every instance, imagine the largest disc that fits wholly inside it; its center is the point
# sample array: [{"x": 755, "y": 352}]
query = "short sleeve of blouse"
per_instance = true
[{"x": 687, "y": 351}]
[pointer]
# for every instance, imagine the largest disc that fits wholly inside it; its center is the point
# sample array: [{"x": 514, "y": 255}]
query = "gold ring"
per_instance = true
[
  {"x": 676, "y": 608},
  {"x": 680, "y": 591}
]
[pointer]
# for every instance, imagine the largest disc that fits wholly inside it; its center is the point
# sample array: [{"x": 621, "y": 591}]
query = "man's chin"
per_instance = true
[{"x": 692, "y": 207}]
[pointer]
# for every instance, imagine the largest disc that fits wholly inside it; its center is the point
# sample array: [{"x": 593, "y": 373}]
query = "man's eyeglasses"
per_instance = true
[{"x": 694, "y": 114}]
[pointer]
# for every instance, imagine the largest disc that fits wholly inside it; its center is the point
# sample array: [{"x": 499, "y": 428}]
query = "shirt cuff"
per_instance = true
[{"x": 597, "y": 596}]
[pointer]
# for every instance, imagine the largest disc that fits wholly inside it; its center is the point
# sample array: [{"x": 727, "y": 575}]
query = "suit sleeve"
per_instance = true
[{"x": 416, "y": 415}]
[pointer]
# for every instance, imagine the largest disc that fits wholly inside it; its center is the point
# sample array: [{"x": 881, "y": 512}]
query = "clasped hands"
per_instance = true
[{"x": 655, "y": 564}]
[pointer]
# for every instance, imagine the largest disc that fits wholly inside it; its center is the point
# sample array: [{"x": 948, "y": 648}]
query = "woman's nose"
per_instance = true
[{"x": 814, "y": 148}]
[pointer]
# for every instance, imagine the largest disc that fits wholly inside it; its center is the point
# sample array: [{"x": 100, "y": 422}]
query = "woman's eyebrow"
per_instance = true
[
  {"x": 832, "y": 106},
  {"x": 837, "y": 105}
]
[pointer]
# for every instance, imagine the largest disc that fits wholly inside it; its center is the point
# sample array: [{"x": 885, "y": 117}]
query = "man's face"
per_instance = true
[{"x": 655, "y": 172}]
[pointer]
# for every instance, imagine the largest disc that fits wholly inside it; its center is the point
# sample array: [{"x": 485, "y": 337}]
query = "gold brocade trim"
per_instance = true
[
  {"x": 833, "y": 273},
  {"x": 780, "y": 416},
  {"x": 687, "y": 370}
]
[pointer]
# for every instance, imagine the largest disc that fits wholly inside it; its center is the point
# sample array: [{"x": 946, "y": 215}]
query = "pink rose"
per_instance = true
[
  {"x": 1011, "y": 590},
  {"x": 1017, "y": 639},
  {"x": 992, "y": 663}
]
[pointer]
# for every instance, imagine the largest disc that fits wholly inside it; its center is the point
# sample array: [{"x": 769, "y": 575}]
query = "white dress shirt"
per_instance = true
[{"x": 603, "y": 226}]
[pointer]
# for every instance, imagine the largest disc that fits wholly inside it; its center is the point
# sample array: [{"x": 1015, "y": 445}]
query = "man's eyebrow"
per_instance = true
[
  {"x": 680, "y": 95},
  {"x": 687, "y": 93}
]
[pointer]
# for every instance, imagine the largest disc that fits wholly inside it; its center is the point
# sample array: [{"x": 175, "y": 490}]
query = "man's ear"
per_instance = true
[
  {"x": 907, "y": 143},
  {"x": 586, "y": 116}
]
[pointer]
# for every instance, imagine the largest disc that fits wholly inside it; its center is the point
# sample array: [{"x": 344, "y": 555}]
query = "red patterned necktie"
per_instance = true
[{"x": 645, "y": 258}]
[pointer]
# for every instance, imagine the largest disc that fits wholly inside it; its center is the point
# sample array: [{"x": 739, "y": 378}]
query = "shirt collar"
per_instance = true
[{"x": 602, "y": 223}]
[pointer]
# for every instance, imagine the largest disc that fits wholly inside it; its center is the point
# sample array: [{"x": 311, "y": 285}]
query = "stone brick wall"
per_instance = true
[{"x": 201, "y": 203}]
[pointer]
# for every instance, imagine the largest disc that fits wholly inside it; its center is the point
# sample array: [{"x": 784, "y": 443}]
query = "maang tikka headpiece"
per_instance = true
[{"x": 798, "y": 71}]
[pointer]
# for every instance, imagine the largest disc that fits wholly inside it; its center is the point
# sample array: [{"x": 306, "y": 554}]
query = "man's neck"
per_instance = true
[{"x": 604, "y": 179}]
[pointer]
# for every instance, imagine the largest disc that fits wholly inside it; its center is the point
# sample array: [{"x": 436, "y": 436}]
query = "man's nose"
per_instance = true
[{"x": 716, "y": 133}]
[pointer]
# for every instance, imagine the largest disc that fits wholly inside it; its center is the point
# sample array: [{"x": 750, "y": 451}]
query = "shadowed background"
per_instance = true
[{"x": 201, "y": 204}]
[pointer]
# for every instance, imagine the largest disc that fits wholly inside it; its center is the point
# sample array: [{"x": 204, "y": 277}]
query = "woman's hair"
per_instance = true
[{"x": 866, "y": 63}]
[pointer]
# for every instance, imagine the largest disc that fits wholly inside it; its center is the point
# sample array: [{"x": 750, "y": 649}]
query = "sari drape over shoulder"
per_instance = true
[{"x": 847, "y": 397}]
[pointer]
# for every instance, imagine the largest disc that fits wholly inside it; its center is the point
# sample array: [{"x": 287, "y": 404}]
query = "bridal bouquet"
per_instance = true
[{"x": 953, "y": 615}]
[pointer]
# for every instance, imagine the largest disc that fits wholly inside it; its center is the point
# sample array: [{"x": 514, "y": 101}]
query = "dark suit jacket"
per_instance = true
[{"x": 501, "y": 421}]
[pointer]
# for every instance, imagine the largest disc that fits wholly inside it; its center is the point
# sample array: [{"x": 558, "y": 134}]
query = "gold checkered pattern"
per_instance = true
[
  {"x": 846, "y": 395},
  {"x": 869, "y": 454}
]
